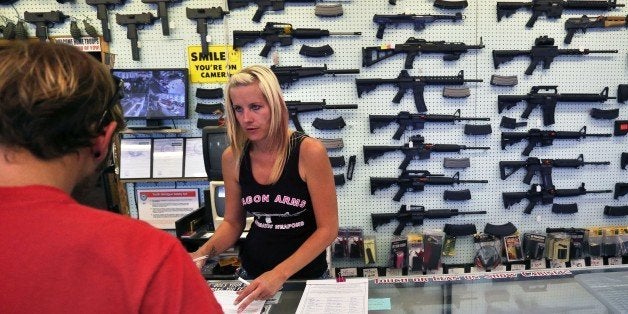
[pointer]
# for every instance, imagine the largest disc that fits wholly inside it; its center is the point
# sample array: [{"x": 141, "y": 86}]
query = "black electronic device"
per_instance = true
[
  {"x": 215, "y": 142},
  {"x": 154, "y": 95}
]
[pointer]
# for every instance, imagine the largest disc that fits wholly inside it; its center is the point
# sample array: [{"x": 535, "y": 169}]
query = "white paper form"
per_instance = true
[
  {"x": 135, "y": 161},
  {"x": 167, "y": 158},
  {"x": 194, "y": 162},
  {"x": 226, "y": 298},
  {"x": 329, "y": 296}
]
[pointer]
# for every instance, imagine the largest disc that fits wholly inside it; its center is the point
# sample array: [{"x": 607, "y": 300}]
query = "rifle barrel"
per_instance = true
[{"x": 345, "y": 33}]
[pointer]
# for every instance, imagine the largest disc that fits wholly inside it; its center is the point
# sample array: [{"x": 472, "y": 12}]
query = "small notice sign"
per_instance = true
[
  {"x": 162, "y": 207},
  {"x": 216, "y": 66}
]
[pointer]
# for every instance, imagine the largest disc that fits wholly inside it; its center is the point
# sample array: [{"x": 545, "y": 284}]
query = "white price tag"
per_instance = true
[
  {"x": 499, "y": 268},
  {"x": 537, "y": 264},
  {"x": 370, "y": 272},
  {"x": 557, "y": 264},
  {"x": 456, "y": 270},
  {"x": 614, "y": 261},
  {"x": 393, "y": 272},
  {"x": 597, "y": 261},
  {"x": 349, "y": 272},
  {"x": 578, "y": 263},
  {"x": 517, "y": 267},
  {"x": 476, "y": 269}
]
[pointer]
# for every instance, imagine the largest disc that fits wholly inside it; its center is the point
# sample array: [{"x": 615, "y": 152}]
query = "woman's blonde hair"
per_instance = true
[{"x": 278, "y": 134}]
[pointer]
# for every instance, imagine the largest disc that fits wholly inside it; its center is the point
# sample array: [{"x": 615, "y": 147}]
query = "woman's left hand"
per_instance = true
[{"x": 262, "y": 288}]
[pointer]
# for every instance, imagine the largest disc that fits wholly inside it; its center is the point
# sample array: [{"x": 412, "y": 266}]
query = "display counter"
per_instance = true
[{"x": 585, "y": 290}]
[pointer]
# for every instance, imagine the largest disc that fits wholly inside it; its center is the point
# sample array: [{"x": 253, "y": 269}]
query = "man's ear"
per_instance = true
[{"x": 101, "y": 143}]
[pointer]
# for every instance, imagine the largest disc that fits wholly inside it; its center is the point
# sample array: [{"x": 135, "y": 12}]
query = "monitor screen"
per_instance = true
[
  {"x": 154, "y": 94},
  {"x": 215, "y": 142},
  {"x": 217, "y": 202}
]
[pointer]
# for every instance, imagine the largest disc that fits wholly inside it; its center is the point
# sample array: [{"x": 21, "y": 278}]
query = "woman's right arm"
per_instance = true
[{"x": 234, "y": 221}]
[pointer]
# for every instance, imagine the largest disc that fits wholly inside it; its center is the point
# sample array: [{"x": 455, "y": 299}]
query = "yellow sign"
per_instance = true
[{"x": 213, "y": 67}]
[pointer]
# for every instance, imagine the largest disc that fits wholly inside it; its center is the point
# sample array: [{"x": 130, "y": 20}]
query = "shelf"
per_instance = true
[
  {"x": 159, "y": 131},
  {"x": 149, "y": 180}
]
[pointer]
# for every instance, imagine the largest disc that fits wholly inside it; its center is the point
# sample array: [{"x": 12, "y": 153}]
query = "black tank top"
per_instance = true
[{"x": 284, "y": 217}]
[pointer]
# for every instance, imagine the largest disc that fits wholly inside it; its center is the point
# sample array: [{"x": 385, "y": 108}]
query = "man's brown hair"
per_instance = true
[{"x": 54, "y": 98}]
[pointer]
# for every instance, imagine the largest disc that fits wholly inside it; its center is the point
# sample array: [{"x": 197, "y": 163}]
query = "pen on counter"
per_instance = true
[
  {"x": 200, "y": 258},
  {"x": 243, "y": 281}
]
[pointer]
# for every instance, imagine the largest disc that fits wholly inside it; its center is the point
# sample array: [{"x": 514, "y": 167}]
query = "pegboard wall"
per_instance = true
[{"x": 572, "y": 74}]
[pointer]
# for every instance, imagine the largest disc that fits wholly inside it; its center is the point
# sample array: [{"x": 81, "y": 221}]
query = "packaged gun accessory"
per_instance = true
[
  {"x": 456, "y": 92},
  {"x": 477, "y": 129},
  {"x": 512, "y": 244},
  {"x": 451, "y": 232},
  {"x": 621, "y": 189},
  {"x": 595, "y": 238},
  {"x": 510, "y": 123},
  {"x": 502, "y": 80},
  {"x": 339, "y": 246},
  {"x": 415, "y": 252},
  {"x": 351, "y": 167},
  {"x": 451, "y": 5},
  {"x": 624, "y": 160},
  {"x": 622, "y": 93},
  {"x": 316, "y": 52},
  {"x": 328, "y": 10},
  {"x": 333, "y": 124},
  {"x": 398, "y": 252},
  {"x": 461, "y": 195},
  {"x": 337, "y": 161},
  {"x": 209, "y": 93},
  {"x": 370, "y": 254},
  {"x": 463, "y": 162},
  {"x": 534, "y": 245},
  {"x": 616, "y": 211},
  {"x": 487, "y": 251},
  {"x": 612, "y": 244},
  {"x": 621, "y": 127},
  {"x": 432, "y": 249},
  {"x": 355, "y": 241},
  {"x": 608, "y": 114},
  {"x": 564, "y": 208}
]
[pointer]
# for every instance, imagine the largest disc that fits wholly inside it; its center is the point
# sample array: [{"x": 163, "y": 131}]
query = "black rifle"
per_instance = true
[
  {"x": 416, "y": 148},
  {"x": 162, "y": 13},
  {"x": 413, "y": 47},
  {"x": 414, "y": 120},
  {"x": 287, "y": 75},
  {"x": 102, "y": 13},
  {"x": 539, "y": 194},
  {"x": 542, "y": 51},
  {"x": 536, "y": 137},
  {"x": 573, "y": 24},
  {"x": 552, "y": 8},
  {"x": 418, "y": 20},
  {"x": 542, "y": 167},
  {"x": 263, "y": 5},
  {"x": 281, "y": 33},
  {"x": 202, "y": 17},
  {"x": 547, "y": 101},
  {"x": 415, "y": 181},
  {"x": 133, "y": 22},
  {"x": 405, "y": 82},
  {"x": 294, "y": 107},
  {"x": 43, "y": 20},
  {"x": 415, "y": 216}
]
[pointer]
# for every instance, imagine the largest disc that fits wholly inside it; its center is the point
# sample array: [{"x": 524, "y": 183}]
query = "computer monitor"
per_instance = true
[
  {"x": 217, "y": 203},
  {"x": 215, "y": 142},
  {"x": 154, "y": 94}
]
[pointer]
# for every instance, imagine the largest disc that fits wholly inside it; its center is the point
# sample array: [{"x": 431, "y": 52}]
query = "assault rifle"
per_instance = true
[
  {"x": 405, "y": 82},
  {"x": 542, "y": 167},
  {"x": 543, "y": 195},
  {"x": 162, "y": 13},
  {"x": 573, "y": 24},
  {"x": 133, "y": 22},
  {"x": 415, "y": 216},
  {"x": 536, "y": 137},
  {"x": 415, "y": 148},
  {"x": 281, "y": 33},
  {"x": 294, "y": 107},
  {"x": 414, "y": 46},
  {"x": 418, "y": 20},
  {"x": 414, "y": 120},
  {"x": 263, "y": 5},
  {"x": 43, "y": 20},
  {"x": 415, "y": 181},
  {"x": 542, "y": 51},
  {"x": 202, "y": 17},
  {"x": 552, "y": 8},
  {"x": 547, "y": 101},
  {"x": 102, "y": 13},
  {"x": 290, "y": 74}
]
